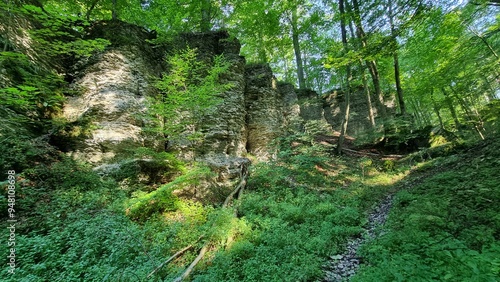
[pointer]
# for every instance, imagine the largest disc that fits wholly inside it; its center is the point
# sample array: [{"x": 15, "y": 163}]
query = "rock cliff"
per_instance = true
[
  {"x": 112, "y": 86},
  {"x": 115, "y": 84}
]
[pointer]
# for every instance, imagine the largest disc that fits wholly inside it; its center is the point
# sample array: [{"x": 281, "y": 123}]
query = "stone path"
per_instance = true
[{"x": 341, "y": 267}]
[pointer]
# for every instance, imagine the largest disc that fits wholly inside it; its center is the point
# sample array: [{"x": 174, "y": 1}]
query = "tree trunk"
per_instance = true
[
  {"x": 91, "y": 8},
  {"x": 296, "y": 49},
  {"x": 485, "y": 43},
  {"x": 449, "y": 103},
  {"x": 347, "y": 103},
  {"x": 114, "y": 12},
  {"x": 262, "y": 50},
  {"x": 373, "y": 69},
  {"x": 418, "y": 114},
  {"x": 399, "y": 89},
  {"x": 371, "y": 116},
  {"x": 489, "y": 95},
  {"x": 397, "y": 75},
  {"x": 437, "y": 111},
  {"x": 371, "y": 64},
  {"x": 475, "y": 119},
  {"x": 362, "y": 73},
  {"x": 205, "y": 15}
]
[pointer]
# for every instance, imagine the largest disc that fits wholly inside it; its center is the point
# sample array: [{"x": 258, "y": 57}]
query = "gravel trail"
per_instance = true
[{"x": 341, "y": 267}]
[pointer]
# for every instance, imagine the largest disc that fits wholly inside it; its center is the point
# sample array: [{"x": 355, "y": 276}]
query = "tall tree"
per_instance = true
[
  {"x": 296, "y": 48},
  {"x": 395, "y": 45},
  {"x": 370, "y": 63},
  {"x": 360, "y": 48},
  {"x": 206, "y": 7},
  {"x": 347, "y": 90}
]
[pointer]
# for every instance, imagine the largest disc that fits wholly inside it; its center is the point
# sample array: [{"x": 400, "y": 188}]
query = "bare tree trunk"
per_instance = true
[
  {"x": 399, "y": 89},
  {"x": 347, "y": 105},
  {"x": 371, "y": 116},
  {"x": 205, "y": 15},
  {"x": 89, "y": 11},
  {"x": 373, "y": 69},
  {"x": 296, "y": 49},
  {"x": 114, "y": 12},
  {"x": 397, "y": 74},
  {"x": 371, "y": 64},
  {"x": 436, "y": 110},
  {"x": 449, "y": 103}
]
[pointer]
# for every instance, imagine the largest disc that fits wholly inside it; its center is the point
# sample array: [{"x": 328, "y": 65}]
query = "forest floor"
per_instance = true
[
  {"x": 437, "y": 176},
  {"x": 309, "y": 215}
]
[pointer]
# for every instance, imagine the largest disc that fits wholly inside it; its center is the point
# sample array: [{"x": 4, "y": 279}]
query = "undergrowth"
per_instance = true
[
  {"x": 297, "y": 210},
  {"x": 445, "y": 228},
  {"x": 300, "y": 209}
]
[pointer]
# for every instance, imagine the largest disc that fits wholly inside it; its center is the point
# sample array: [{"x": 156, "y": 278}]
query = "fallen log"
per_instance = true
[{"x": 372, "y": 154}]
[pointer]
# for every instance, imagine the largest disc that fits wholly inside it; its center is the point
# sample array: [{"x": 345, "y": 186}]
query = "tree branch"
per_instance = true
[{"x": 172, "y": 258}]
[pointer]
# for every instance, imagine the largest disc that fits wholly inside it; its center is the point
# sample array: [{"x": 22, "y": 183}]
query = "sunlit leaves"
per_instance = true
[{"x": 189, "y": 91}]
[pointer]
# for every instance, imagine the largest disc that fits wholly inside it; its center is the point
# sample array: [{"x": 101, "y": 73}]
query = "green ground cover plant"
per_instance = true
[{"x": 446, "y": 228}]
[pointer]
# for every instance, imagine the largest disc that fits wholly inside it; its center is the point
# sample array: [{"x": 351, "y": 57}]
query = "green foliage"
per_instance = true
[
  {"x": 20, "y": 151},
  {"x": 291, "y": 230},
  {"x": 295, "y": 215},
  {"x": 29, "y": 90},
  {"x": 62, "y": 35},
  {"x": 163, "y": 164},
  {"x": 148, "y": 168},
  {"x": 143, "y": 205},
  {"x": 97, "y": 246},
  {"x": 445, "y": 228},
  {"x": 190, "y": 90},
  {"x": 491, "y": 114},
  {"x": 388, "y": 165}
]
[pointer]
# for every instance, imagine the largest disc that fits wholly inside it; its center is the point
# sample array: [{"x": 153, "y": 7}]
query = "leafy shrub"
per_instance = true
[
  {"x": 20, "y": 152},
  {"x": 92, "y": 247},
  {"x": 30, "y": 90},
  {"x": 143, "y": 205},
  {"x": 146, "y": 204},
  {"x": 188, "y": 92}
]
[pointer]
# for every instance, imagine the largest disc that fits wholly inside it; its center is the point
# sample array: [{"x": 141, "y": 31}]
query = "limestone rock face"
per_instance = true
[
  {"x": 359, "y": 120},
  {"x": 291, "y": 110},
  {"x": 224, "y": 131},
  {"x": 265, "y": 110},
  {"x": 115, "y": 84},
  {"x": 113, "y": 90},
  {"x": 311, "y": 105}
]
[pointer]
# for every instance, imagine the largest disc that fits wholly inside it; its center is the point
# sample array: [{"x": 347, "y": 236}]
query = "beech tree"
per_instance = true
[{"x": 347, "y": 89}]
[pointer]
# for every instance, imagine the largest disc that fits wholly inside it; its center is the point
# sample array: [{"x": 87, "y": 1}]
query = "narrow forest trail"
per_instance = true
[{"x": 343, "y": 266}]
